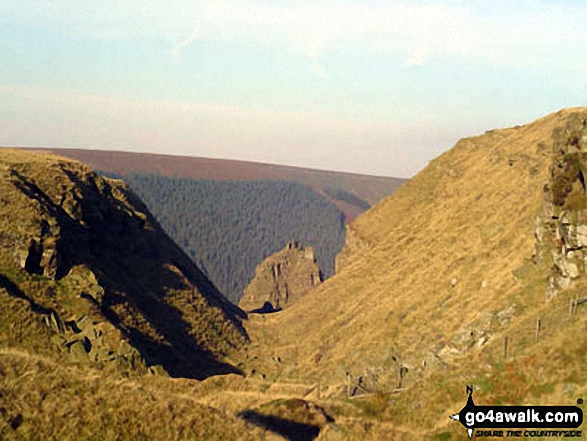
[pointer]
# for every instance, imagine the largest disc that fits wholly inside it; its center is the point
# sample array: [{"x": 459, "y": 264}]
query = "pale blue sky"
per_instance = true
[{"x": 369, "y": 87}]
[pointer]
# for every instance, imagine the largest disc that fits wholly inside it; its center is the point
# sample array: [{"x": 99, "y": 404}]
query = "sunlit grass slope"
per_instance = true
[
  {"x": 441, "y": 279},
  {"x": 84, "y": 268}
]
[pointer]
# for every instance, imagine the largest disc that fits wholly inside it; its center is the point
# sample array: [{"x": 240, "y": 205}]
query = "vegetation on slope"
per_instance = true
[
  {"x": 95, "y": 299},
  {"x": 41, "y": 399},
  {"x": 472, "y": 273},
  {"x": 365, "y": 188},
  {"x": 443, "y": 286},
  {"x": 229, "y": 227},
  {"x": 346, "y": 196},
  {"x": 87, "y": 275}
]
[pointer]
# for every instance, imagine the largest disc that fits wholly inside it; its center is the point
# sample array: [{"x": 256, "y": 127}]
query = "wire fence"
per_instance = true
[{"x": 565, "y": 312}]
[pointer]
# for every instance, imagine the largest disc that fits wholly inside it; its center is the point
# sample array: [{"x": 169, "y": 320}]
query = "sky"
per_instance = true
[{"x": 374, "y": 87}]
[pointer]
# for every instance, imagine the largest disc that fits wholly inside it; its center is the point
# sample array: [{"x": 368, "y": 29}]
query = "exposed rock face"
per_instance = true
[
  {"x": 88, "y": 275},
  {"x": 561, "y": 232},
  {"x": 282, "y": 278}
]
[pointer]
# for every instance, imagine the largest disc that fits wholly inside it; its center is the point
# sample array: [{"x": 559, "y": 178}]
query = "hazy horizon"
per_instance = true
[
  {"x": 321, "y": 169},
  {"x": 376, "y": 88}
]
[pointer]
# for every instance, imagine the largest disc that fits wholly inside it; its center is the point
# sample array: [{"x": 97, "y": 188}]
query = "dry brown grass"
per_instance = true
[
  {"x": 43, "y": 400},
  {"x": 151, "y": 291},
  {"x": 150, "y": 295},
  {"x": 469, "y": 215}
]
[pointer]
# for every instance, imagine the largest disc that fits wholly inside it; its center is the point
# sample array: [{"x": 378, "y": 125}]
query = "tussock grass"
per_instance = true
[
  {"x": 43, "y": 400},
  {"x": 469, "y": 216}
]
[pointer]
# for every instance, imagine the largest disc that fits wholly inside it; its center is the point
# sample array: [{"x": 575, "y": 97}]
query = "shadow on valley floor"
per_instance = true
[
  {"x": 267, "y": 308},
  {"x": 290, "y": 430},
  {"x": 152, "y": 288}
]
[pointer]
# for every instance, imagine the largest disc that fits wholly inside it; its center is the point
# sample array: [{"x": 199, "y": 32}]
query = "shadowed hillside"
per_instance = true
[
  {"x": 100, "y": 308},
  {"x": 229, "y": 227},
  {"x": 473, "y": 273},
  {"x": 89, "y": 276},
  {"x": 352, "y": 193}
]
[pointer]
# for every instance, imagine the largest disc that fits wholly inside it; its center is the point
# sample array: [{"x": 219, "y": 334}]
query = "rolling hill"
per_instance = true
[
  {"x": 228, "y": 216},
  {"x": 352, "y": 193},
  {"x": 107, "y": 325},
  {"x": 472, "y": 273}
]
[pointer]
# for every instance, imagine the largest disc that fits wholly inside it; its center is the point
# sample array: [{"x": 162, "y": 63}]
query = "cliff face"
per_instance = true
[
  {"x": 561, "y": 233},
  {"x": 282, "y": 278},
  {"x": 88, "y": 275}
]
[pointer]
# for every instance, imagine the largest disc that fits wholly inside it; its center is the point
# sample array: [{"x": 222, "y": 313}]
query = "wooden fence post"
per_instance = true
[
  {"x": 537, "y": 333},
  {"x": 571, "y": 307}
]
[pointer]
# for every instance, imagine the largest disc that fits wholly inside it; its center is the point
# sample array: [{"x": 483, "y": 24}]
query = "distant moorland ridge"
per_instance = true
[{"x": 352, "y": 193}]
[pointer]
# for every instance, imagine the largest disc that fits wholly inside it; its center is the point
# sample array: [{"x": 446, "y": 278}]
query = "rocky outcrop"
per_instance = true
[
  {"x": 87, "y": 272},
  {"x": 282, "y": 278},
  {"x": 561, "y": 233}
]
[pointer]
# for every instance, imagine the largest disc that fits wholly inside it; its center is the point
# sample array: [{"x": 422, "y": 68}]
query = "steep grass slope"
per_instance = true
[
  {"x": 98, "y": 306},
  {"x": 444, "y": 284},
  {"x": 42, "y": 399},
  {"x": 87, "y": 275}
]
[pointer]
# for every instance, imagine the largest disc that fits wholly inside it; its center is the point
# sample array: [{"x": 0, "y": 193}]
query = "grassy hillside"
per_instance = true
[
  {"x": 87, "y": 275},
  {"x": 444, "y": 283},
  {"x": 229, "y": 227},
  {"x": 473, "y": 273},
  {"x": 44, "y": 400},
  {"x": 100, "y": 307},
  {"x": 352, "y": 193}
]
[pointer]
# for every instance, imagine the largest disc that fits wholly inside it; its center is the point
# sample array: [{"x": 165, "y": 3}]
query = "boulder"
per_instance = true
[{"x": 77, "y": 351}]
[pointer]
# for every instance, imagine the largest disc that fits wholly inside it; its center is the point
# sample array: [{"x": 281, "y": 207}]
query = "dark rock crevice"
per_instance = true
[{"x": 149, "y": 289}]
